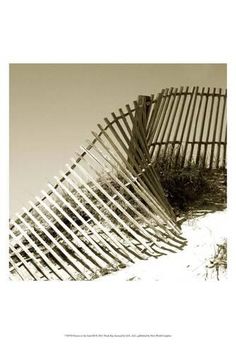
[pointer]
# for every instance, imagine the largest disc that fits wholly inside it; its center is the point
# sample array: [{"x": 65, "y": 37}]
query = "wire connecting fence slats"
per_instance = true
[{"x": 108, "y": 208}]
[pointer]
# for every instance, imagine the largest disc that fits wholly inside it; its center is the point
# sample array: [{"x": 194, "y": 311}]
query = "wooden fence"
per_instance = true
[
  {"x": 190, "y": 123},
  {"x": 108, "y": 209}
]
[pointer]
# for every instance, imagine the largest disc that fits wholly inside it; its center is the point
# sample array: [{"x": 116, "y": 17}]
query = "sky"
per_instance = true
[{"x": 54, "y": 107}]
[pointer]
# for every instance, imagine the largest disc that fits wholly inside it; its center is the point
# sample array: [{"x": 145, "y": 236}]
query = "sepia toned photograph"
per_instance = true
[{"x": 118, "y": 172}]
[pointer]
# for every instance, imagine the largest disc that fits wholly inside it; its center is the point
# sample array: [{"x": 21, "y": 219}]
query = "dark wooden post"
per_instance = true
[{"x": 139, "y": 158}]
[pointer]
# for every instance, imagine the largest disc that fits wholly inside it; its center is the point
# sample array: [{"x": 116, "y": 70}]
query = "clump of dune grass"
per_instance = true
[
  {"x": 218, "y": 263},
  {"x": 191, "y": 187}
]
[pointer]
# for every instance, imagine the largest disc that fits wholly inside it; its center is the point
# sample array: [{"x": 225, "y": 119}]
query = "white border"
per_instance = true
[{"x": 124, "y": 31}]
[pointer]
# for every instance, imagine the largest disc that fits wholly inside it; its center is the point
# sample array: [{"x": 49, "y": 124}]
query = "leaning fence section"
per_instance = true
[{"x": 107, "y": 208}]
